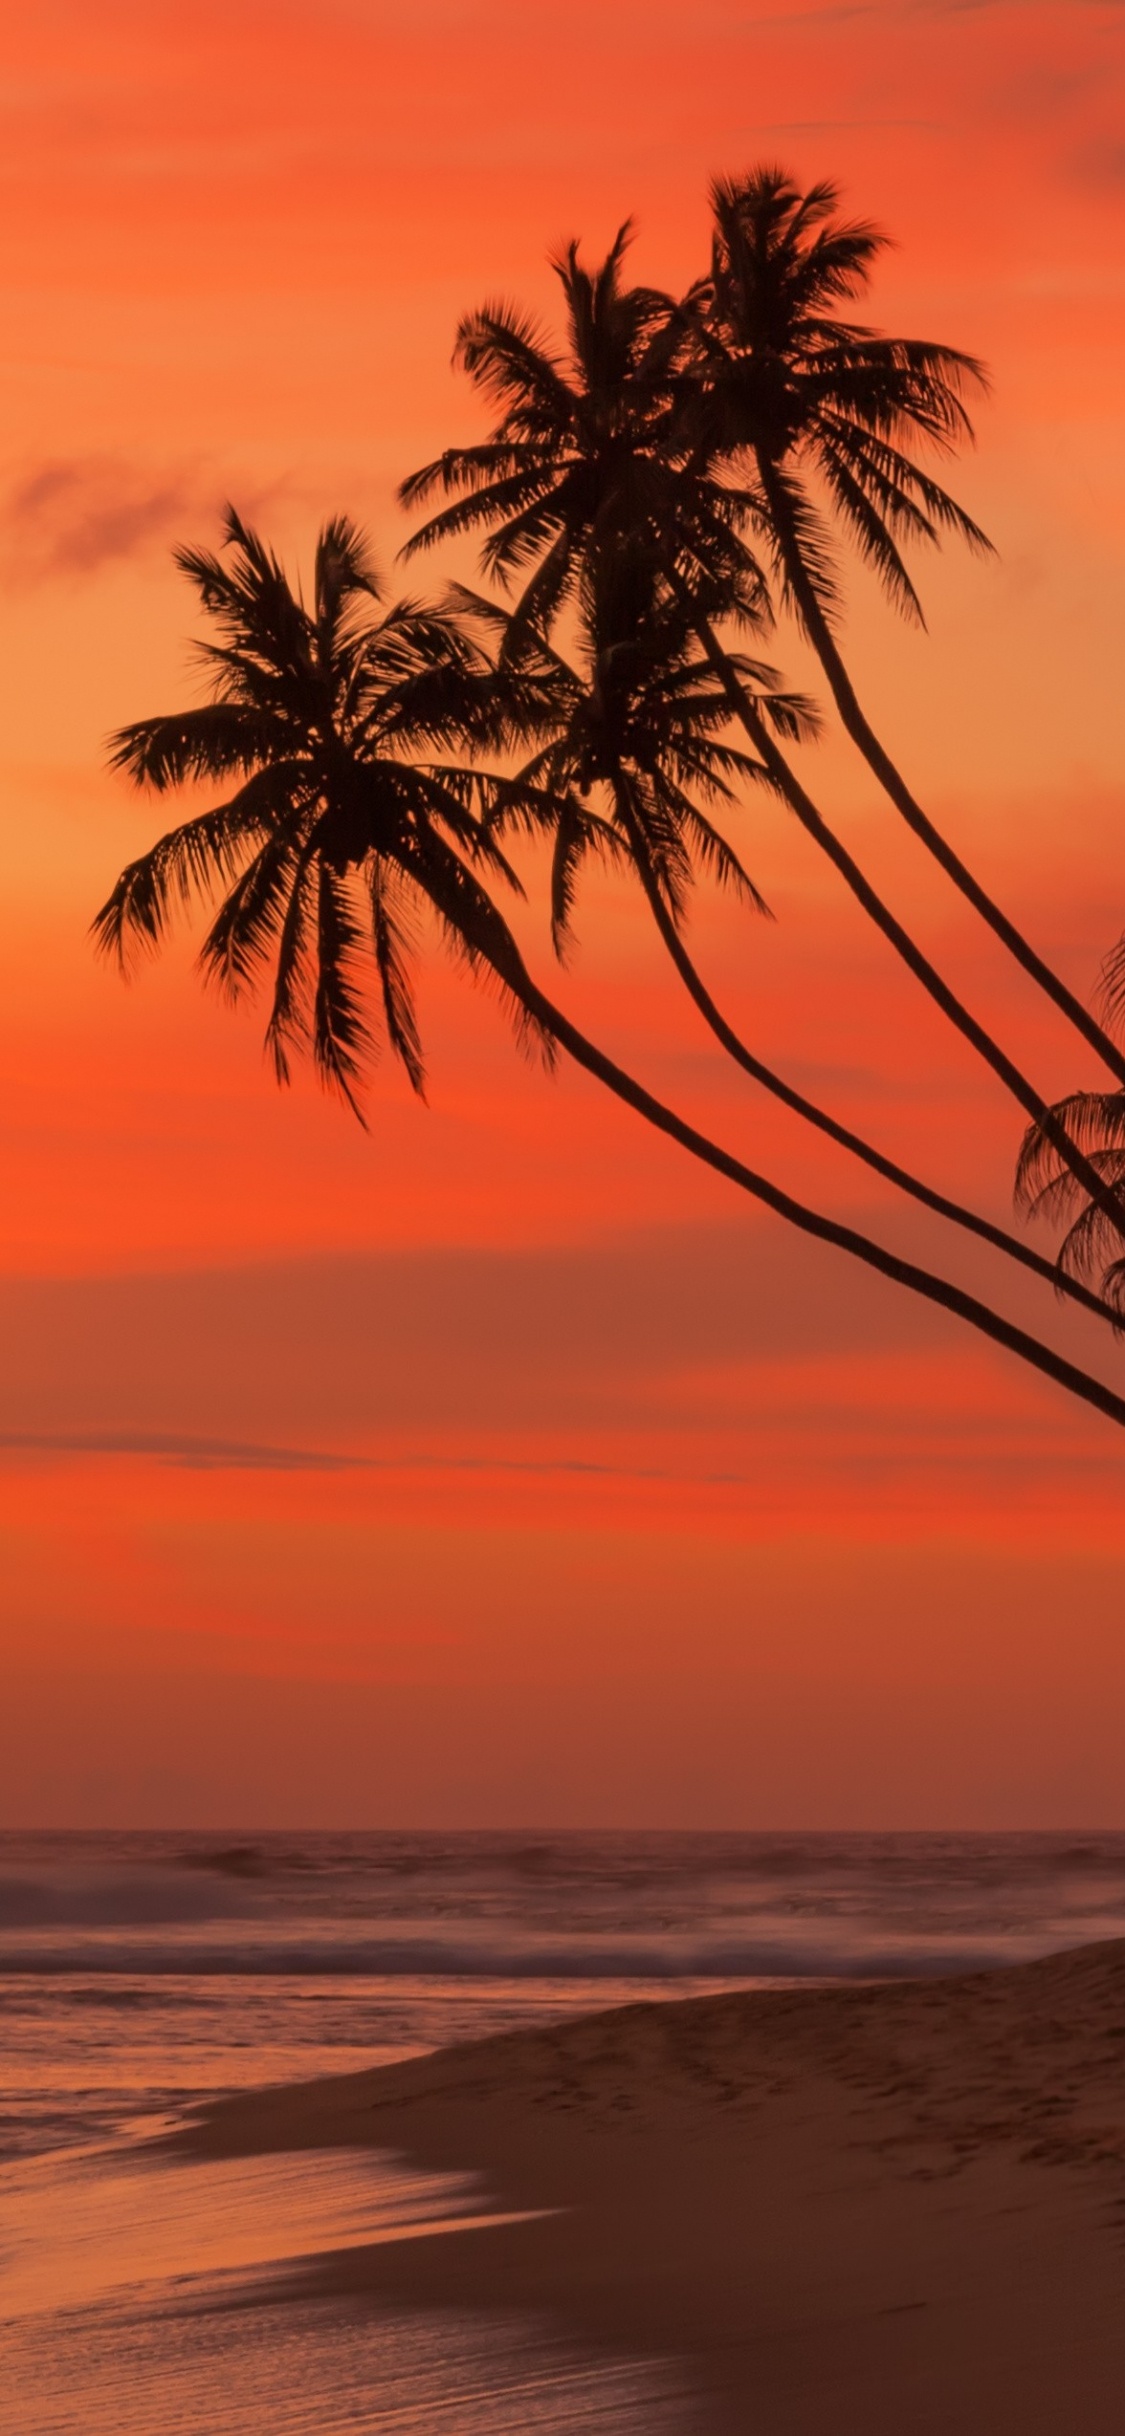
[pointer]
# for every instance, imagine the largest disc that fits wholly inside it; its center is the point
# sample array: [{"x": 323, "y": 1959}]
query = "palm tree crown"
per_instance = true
[
  {"x": 812, "y": 408},
  {"x": 628, "y": 765},
  {"x": 783, "y": 386},
  {"x": 603, "y": 447},
  {"x": 336, "y": 839},
  {"x": 1047, "y": 1187},
  {"x": 589, "y": 450},
  {"x": 629, "y": 755}
]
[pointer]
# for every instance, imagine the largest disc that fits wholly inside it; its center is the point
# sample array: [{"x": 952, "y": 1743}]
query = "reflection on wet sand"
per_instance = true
[{"x": 134, "y": 2301}]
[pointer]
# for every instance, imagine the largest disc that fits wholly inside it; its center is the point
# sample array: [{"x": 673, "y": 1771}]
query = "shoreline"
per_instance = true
[{"x": 897, "y": 2207}]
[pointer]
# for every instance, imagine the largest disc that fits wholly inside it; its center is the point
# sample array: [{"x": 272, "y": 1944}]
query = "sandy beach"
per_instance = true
[{"x": 897, "y": 2208}]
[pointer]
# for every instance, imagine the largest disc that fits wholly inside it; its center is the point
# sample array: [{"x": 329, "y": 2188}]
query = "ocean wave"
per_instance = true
[
  {"x": 629, "y": 1861},
  {"x": 96, "y": 1899},
  {"x": 845, "y": 1957},
  {"x": 638, "y": 1861}
]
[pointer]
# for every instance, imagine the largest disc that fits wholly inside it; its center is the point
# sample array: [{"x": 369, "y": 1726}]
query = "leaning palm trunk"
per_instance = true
[
  {"x": 554, "y": 490},
  {"x": 812, "y": 820},
  {"x": 335, "y": 836},
  {"x": 548, "y": 1020},
  {"x": 789, "y": 379},
  {"x": 863, "y": 736},
  {"x": 637, "y": 725},
  {"x": 1053, "y": 1274}
]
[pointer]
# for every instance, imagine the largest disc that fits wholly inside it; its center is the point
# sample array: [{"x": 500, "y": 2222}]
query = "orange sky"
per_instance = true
[{"x": 497, "y": 1466}]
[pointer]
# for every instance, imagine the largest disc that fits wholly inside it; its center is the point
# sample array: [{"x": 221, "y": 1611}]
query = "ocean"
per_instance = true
[{"x": 142, "y": 1973}]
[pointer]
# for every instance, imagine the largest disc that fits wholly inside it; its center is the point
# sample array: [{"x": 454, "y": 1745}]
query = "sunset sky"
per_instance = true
[{"x": 497, "y": 1466}]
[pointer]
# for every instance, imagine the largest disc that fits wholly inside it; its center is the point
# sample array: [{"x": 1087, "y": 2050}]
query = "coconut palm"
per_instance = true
[
  {"x": 336, "y": 840},
  {"x": 588, "y": 449},
  {"x": 629, "y": 764},
  {"x": 1091, "y": 1246},
  {"x": 592, "y": 454},
  {"x": 1044, "y": 1187},
  {"x": 811, "y": 407}
]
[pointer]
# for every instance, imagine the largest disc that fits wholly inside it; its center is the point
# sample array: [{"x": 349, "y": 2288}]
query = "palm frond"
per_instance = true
[
  {"x": 1091, "y": 1247},
  {"x": 870, "y": 528},
  {"x": 507, "y": 356},
  {"x": 813, "y": 545},
  {"x": 345, "y": 583},
  {"x": 288, "y": 1024},
  {"x": 547, "y": 591},
  {"x": 905, "y": 493},
  {"x": 475, "y": 933},
  {"x": 349, "y": 813},
  {"x": 572, "y": 844},
  {"x": 190, "y": 861},
  {"x": 252, "y": 916},
  {"x": 714, "y": 855},
  {"x": 460, "y": 469},
  {"x": 781, "y": 374},
  {"x": 1112, "y": 1287},
  {"x": 217, "y": 741},
  {"x": 395, "y": 940},
  {"x": 1113, "y": 983},
  {"x": 249, "y": 596},
  {"x": 341, "y": 1040},
  {"x": 482, "y": 506},
  {"x": 1095, "y": 1120}
]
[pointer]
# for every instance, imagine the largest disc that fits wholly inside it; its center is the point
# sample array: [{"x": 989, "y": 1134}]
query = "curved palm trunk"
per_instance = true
[
  {"x": 893, "y": 783},
  {"x": 789, "y": 786},
  {"x": 736, "y": 1048},
  {"x": 808, "y": 1221}
]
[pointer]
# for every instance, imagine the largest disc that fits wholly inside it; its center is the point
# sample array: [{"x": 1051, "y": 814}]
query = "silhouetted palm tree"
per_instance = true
[
  {"x": 790, "y": 393},
  {"x": 589, "y": 450},
  {"x": 628, "y": 754},
  {"x": 1044, "y": 1186},
  {"x": 1091, "y": 1246},
  {"x": 591, "y": 454},
  {"x": 335, "y": 837}
]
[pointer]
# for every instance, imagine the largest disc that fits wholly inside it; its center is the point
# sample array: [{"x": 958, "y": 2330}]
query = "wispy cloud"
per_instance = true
[
  {"x": 74, "y": 516},
  {"x": 1099, "y": 164},
  {"x": 356, "y": 1361},
  {"x": 189, "y": 1453}
]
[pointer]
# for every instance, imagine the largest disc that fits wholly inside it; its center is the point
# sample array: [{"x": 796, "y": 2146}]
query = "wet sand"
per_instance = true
[{"x": 899, "y": 2208}]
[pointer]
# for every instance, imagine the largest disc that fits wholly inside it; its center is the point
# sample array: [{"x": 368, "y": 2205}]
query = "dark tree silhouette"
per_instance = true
[
  {"x": 1091, "y": 1246},
  {"x": 335, "y": 837},
  {"x": 792, "y": 395},
  {"x": 628, "y": 755},
  {"x": 593, "y": 454}
]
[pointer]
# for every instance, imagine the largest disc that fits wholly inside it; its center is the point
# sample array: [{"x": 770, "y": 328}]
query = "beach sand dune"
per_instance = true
[{"x": 889, "y": 2208}]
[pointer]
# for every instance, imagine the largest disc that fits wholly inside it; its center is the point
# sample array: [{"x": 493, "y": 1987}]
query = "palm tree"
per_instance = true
[
  {"x": 1091, "y": 1247},
  {"x": 1048, "y": 1190},
  {"x": 789, "y": 392},
  {"x": 335, "y": 840},
  {"x": 591, "y": 455},
  {"x": 634, "y": 726},
  {"x": 589, "y": 444}
]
